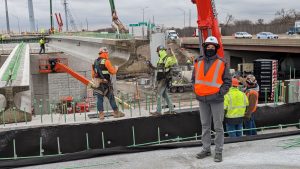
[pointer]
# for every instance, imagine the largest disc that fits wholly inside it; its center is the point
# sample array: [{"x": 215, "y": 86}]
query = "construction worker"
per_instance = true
[
  {"x": 164, "y": 64},
  {"x": 42, "y": 45},
  {"x": 252, "y": 90},
  {"x": 235, "y": 104},
  {"x": 102, "y": 69},
  {"x": 212, "y": 80},
  {"x": 189, "y": 64}
]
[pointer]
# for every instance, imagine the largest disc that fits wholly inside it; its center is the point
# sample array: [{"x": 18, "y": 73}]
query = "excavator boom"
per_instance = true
[
  {"x": 208, "y": 22},
  {"x": 56, "y": 65},
  {"x": 71, "y": 72},
  {"x": 116, "y": 23}
]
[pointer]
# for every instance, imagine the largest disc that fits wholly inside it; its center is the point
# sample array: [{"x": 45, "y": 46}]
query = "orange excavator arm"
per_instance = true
[
  {"x": 208, "y": 23},
  {"x": 56, "y": 66}
]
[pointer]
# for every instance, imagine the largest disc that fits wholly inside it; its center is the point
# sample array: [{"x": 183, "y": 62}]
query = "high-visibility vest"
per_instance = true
[
  {"x": 211, "y": 82},
  {"x": 100, "y": 69},
  {"x": 235, "y": 103},
  {"x": 42, "y": 42},
  {"x": 253, "y": 92}
]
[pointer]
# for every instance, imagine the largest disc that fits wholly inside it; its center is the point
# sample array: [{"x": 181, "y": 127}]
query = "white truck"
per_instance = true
[
  {"x": 172, "y": 35},
  {"x": 181, "y": 79}
]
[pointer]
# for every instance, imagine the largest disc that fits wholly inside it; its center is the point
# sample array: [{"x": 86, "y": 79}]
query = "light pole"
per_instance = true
[
  {"x": 87, "y": 24},
  {"x": 183, "y": 16},
  {"x": 143, "y": 29}
]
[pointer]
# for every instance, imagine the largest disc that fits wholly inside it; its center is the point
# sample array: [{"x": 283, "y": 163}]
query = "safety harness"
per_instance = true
[{"x": 102, "y": 73}]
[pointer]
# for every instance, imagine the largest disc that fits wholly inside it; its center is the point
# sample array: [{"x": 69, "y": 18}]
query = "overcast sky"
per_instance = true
[{"x": 167, "y": 12}]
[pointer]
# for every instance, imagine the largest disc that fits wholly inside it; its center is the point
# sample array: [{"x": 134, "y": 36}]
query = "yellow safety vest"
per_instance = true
[{"x": 235, "y": 103}]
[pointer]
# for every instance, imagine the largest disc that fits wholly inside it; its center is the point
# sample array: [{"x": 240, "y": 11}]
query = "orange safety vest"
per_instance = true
[
  {"x": 250, "y": 92},
  {"x": 210, "y": 83}
]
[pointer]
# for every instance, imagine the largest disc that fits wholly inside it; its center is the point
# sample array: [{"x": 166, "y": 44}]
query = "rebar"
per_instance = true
[
  {"x": 15, "y": 151},
  {"x": 103, "y": 140},
  {"x": 41, "y": 111},
  {"x": 25, "y": 114},
  {"x": 58, "y": 145},
  {"x": 133, "y": 135},
  {"x": 15, "y": 116},
  {"x": 87, "y": 141},
  {"x": 41, "y": 146}
]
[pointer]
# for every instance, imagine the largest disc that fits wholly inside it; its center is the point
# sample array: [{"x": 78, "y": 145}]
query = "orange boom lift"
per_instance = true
[
  {"x": 59, "y": 65},
  {"x": 208, "y": 23}
]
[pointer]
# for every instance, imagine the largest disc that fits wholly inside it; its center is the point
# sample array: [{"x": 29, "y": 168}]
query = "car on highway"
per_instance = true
[
  {"x": 242, "y": 35},
  {"x": 266, "y": 35}
]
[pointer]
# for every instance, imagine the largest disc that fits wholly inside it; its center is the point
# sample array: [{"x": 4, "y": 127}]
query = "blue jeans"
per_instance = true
[
  {"x": 250, "y": 124},
  {"x": 111, "y": 99},
  {"x": 234, "y": 130}
]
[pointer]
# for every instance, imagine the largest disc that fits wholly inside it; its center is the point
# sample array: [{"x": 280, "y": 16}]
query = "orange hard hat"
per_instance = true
[{"x": 235, "y": 82}]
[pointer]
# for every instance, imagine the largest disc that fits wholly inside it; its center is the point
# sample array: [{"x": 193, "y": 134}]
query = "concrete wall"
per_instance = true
[
  {"x": 62, "y": 84},
  {"x": 2, "y": 59},
  {"x": 52, "y": 87}
]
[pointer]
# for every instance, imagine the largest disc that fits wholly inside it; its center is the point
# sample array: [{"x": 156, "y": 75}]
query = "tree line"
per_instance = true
[{"x": 283, "y": 20}]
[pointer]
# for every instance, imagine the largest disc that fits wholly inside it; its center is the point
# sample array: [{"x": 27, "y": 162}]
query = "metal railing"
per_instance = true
[
  {"x": 159, "y": 141},
  {"x": 96, "y": 35}
]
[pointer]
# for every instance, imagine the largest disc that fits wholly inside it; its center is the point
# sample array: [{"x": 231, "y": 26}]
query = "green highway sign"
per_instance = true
[
  {"x": 143, "y": 23},
  {"x": 134, "y": 25}
]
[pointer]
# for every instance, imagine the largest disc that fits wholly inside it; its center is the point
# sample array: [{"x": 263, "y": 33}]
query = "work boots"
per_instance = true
[
  {"x": 218, "y": 157},
  {"x": 101, "y": 116},
  {"x": 118, "y": 114},
  {"x": 203, "y": 154}
]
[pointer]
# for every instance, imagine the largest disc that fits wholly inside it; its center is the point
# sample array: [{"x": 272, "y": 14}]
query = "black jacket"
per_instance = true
[{"x": 226, "y": 77}]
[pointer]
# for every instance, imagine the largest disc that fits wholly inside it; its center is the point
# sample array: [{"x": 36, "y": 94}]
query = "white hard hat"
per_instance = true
[
  {"x": 251, "y": 80},
  {"x": 211, "y": 40},
  {"x": 103, "y": 50}
]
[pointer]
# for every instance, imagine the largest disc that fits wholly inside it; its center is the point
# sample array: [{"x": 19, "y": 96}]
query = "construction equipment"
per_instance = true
[
  {"x": 59, "y": 22},
  {"x": 59, "y": 65},
  {"x": 116, "y": 23},
  {"x": 180, "y": 79},
  {"x": 208, "y": 23},
  {"x": 68, "y": 106},
  {"x": 69, "y": 17}
]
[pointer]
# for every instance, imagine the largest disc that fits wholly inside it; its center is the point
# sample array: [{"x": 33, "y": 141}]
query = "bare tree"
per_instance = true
[
  {"x": 284, "y": 16},
  {"x": 229, "y": 19},
  {"x": 243, "y": 22},
  {"x": 260, "y": 22}
]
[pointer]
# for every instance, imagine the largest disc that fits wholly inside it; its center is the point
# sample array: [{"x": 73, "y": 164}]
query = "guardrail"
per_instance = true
[
  {"x": 96, "y": 35},
  {"x": 13, "y": 67}
]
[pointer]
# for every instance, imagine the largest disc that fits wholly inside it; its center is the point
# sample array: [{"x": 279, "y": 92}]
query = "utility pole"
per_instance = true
[
  {"x": 87, "y": 24},
  {"x": 153, "y": 21},
  {"x": 66, "y": 15},
  {"x": 31, "y": 16},
  {"x": 183, "y": 19},
  {"x": 143, "y": 22},
  {"x": 7, "y": 18},
  {"x": 51, "y": 17}
]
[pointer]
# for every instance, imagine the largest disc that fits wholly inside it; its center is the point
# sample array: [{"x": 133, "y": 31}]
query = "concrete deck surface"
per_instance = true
[{"x": 263, "y": 154}]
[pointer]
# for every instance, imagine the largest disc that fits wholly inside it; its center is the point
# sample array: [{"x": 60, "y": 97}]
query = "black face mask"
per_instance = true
[{"x": 210, "y": 52}]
